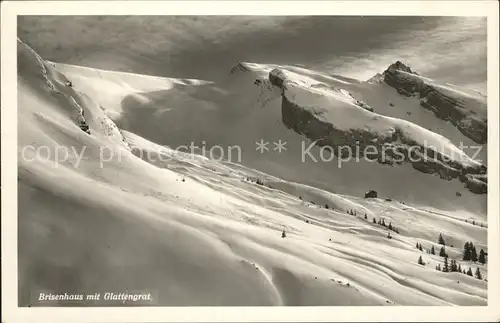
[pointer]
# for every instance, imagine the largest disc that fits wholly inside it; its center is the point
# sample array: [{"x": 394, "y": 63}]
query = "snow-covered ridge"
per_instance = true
[
  {"x": 196, "y": 231},
  {"x": 245, "y": 107},
  {"x": 118, "y": 85},
  {"x": 464, "y": 108},
  {"x": 333, "y": 117},
  {"x": 306, "y": 75},
  {"x": 25, "y": 58},
  {"x": 78, "y": 107}
]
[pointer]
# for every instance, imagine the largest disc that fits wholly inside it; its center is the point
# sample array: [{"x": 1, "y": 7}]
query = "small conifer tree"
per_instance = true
[
  {"x": 469, "y": 272},
  {"x": 442, "y": 252},
  {"x": 478, "y": 274},
  {"x": 473, "y": 254},
  {"x": 445, "y": 265},
  {"x": 454, "y": 267},
  {"x": 420, "y": 261},
  {"x": 441, "y": 239},
  {"x": 482, "y": 257},
  {"x": 467, "y": 251},
  {"x": 433, "y": 252}
]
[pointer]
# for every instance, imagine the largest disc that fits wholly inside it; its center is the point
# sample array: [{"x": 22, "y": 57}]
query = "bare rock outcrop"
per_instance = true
[
  {"x": 392, "y": 149},
  {"x": 466, "y": 111}
]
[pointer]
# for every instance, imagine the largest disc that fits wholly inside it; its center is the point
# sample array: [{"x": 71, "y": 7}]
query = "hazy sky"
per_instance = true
[{"x": 451, "y": 49}]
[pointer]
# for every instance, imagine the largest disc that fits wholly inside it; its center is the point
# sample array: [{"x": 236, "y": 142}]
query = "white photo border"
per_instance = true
[{"x": 13, "y": 313}]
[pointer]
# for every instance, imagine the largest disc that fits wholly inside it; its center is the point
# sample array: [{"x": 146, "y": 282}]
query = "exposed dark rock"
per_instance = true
[
  {"x": 445, "y": 104},
  {"x": 393, "y": 148},
  {"x": 82, "y": 123},
  {"x": 371, "y": 194},
  {"x": 475, "y": 184},
  {"x": 305, "y": 122},
  {"x": 277, "y": 77},
  {"x": 364, "y": 105},
  {"x": 239, "y": 67}
]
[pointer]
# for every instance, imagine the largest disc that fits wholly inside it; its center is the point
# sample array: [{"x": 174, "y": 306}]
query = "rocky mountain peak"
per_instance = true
[{"x": 398, "y": 65}]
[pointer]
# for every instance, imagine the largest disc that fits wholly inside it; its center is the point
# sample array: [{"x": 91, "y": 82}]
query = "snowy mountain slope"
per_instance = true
[
  {"x": 196, "y": 231},
  {"x": 118, "y": 85},
  {"x": 409, "y": 108},
  {"x": 241, "y": 111},
  {"x": 48, "y": 87},
  {"x": 334, "y": 118},
  {"x": 381, "y": 95},
  {"x": 463, "y": 108}
]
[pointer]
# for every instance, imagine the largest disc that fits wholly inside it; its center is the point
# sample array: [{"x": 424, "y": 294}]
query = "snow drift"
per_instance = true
[{"x": 196, "y": 231}]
